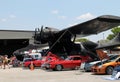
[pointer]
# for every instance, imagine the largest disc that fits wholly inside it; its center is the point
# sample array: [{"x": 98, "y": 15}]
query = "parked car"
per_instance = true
[
  {"x": 88, "y": 65},
  {"x": 71, "y": 62},
  {"x": 27, "y": 62},
  {"x": 48, "y": 59},
  {"x": 106, "y": 67},
  {"x": 45, "y": 60},
  {"x": 35, "y": 55}
]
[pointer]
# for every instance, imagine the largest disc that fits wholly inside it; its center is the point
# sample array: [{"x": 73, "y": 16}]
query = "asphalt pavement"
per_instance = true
[{"x": 40, "y": 75}]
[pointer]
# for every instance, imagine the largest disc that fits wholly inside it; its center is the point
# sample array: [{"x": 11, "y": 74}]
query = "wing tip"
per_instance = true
[{"x": 110, "y": 17}]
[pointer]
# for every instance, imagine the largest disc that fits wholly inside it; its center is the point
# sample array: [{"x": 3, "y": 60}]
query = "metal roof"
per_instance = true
[{"x": 16, "y": 34}]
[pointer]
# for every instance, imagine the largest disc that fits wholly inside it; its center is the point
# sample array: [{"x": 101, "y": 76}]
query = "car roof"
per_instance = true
[
  {"x": 27, "y": 58},
  {"x": 75, "y": 56}
]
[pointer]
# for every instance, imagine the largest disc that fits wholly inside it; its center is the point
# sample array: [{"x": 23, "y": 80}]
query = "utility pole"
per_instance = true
[{"x": 103, "y": 36}]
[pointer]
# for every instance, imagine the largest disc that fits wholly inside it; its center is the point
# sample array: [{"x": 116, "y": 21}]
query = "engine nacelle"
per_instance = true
[{"x": 44, "y": 35}]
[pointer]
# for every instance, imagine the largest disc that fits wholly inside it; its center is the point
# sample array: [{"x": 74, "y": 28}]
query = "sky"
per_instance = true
[{"x": 60, "y": 14}]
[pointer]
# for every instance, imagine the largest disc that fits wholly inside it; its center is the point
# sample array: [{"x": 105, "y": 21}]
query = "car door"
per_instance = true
[
  {"x": 76, "y": 62},
  {"x": 37, "y": 62},
  {"x": 67, "y": 63}
]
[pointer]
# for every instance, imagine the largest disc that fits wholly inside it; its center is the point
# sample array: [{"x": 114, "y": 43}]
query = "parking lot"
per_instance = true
[{"x": 40, "y": 75}]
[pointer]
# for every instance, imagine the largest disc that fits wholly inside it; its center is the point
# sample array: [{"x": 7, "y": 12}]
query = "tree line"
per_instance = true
[{"x": 114, "y": 31}]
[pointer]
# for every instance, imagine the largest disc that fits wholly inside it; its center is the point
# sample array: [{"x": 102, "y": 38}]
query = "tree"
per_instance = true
[
  {"x": 115, "y": 31},
  {"x": 110, "y": 36},
  {"x": 81, "y": 40}
]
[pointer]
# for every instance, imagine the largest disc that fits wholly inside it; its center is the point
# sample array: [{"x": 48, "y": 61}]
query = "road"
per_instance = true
[{"x": 40, "y": 75}]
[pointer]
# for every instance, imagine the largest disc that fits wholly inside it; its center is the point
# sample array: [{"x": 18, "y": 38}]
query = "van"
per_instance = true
[{"x": 36, "y": 55}]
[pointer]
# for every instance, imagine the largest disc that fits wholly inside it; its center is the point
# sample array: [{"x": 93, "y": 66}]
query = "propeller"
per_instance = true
[
  {"x": 44, "y": 35},
  {"x": 37, "y": 35},
  {"x": 41, "y": 32}
]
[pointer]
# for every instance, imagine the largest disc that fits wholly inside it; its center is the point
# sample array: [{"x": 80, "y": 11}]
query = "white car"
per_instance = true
[{"x": 36, "y": 55}]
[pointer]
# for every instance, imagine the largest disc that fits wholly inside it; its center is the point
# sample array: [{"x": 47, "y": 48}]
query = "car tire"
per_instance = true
[
  {"x": 58, "y": 67},
  {"x": 46, "y": 68},
  {"x": 109, "y": 70},
  {"x": 86, "y": 70}
]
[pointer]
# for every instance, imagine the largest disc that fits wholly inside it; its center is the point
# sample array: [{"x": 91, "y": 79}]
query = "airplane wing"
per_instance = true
[
  {"x": 95, "y": 26},
  {"x": 114, "y": 43}
]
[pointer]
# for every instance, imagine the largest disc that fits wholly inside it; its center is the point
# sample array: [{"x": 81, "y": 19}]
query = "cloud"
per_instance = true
[
  {"x": 12, "y": 16},
  {"x": 69, "y": 25},
  {"x": 82, "y": 18},
  {"x": 58, "y": 15},
  {"x": 62, "y": 17},
  {"x": 85, "y": 16},
  {"x": 55, "y": 12},
  {"x": 3, "y": 19},
  {"x": 7, "y": 18}
]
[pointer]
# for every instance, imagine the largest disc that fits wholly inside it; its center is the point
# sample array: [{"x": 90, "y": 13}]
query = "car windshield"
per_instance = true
[
  {"x": 103, "y": 62},
  {"x": 38, "y": 58},
  {"x": 68, "y": 58},
  {"x": 49, "y": 58},
  {"x": 91, "y": 63},
  {"x": 113, "y": 57}
]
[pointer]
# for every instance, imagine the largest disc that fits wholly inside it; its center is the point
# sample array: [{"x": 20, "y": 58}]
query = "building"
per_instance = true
[{"x": 11, "y": 40}]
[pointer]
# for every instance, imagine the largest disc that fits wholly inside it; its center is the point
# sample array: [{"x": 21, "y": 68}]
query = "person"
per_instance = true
[
  {"x": 15, "y": 61},
  {"x": 1, "y": 60},
  {"x": 116, "y": 72},
  {"x": 117, "y": 68},
  {"x": 12, "y": 59},
  {"x": 5, "y": 62}
]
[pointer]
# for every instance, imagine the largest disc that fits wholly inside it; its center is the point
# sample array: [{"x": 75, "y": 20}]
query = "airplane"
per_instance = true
[
  {"x": 113, "y": 44},
  {"x": 62, "y": 42}
]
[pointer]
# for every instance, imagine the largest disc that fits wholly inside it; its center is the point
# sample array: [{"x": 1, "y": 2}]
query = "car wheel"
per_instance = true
[
  {"x": 86, "y": 70},
  {"x": 46, "y": 68},
  {"x": 109, "y": 70},
  {"x": 58, "y": 67}
]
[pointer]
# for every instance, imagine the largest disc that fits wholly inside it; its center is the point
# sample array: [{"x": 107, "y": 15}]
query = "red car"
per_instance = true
[
  {"x": 49, "y": 58},
  {"x": 71, "y": 62},
  {"x": 27, "y": 62}
]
